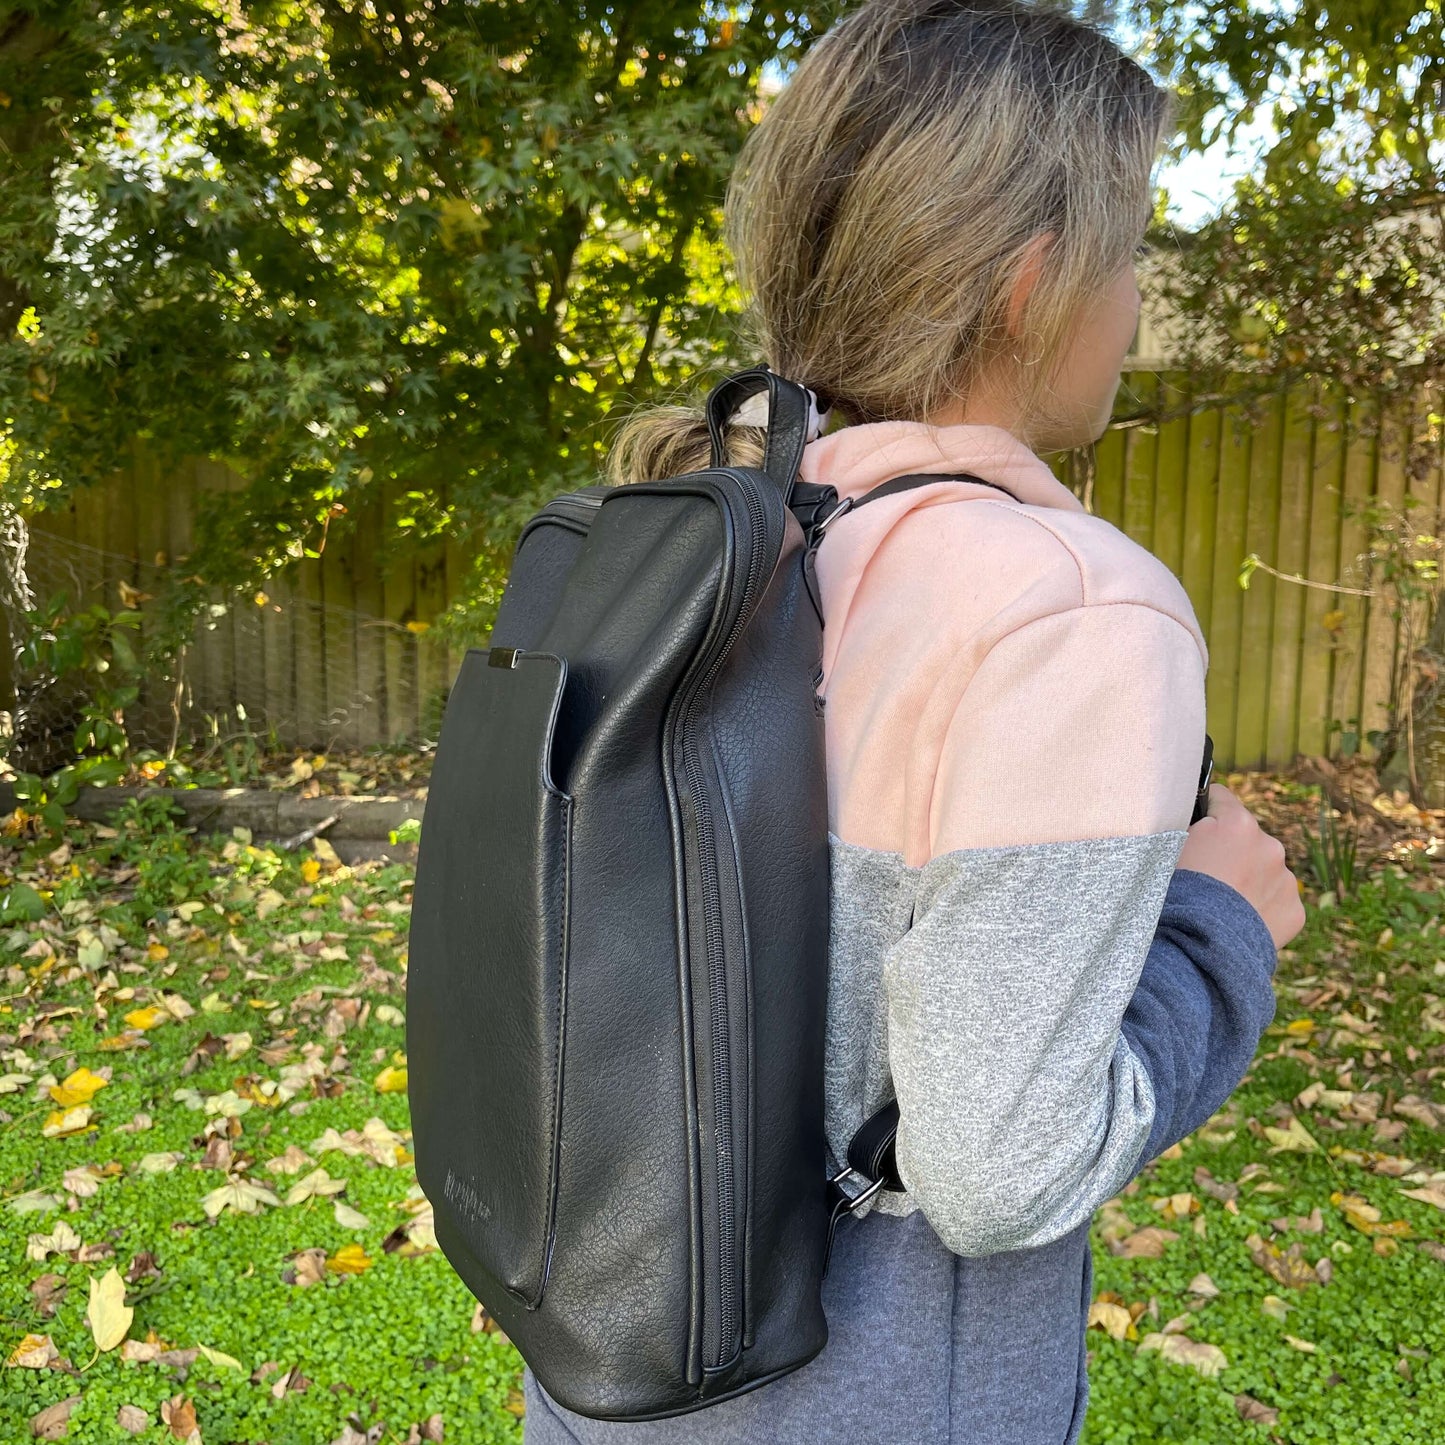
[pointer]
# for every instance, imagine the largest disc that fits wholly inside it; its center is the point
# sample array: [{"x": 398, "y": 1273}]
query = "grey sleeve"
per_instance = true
[{"x": 1022, "y": 1105}]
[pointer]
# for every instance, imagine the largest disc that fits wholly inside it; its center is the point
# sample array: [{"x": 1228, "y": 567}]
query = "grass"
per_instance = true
[{"x": 241, "y": 1003}]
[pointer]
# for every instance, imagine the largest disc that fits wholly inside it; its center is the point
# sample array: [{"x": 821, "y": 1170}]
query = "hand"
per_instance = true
[{"x": 1230, "y": 845}]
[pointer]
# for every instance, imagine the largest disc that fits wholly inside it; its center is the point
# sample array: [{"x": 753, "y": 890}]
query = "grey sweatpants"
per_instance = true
[{"x": 924, "y": 1348}]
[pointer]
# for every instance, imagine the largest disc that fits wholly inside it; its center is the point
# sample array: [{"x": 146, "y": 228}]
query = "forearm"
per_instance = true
[{"x": 1203, "y": 1000}]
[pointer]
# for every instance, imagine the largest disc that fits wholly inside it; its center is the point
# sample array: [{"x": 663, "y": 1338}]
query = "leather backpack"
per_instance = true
[{"x": 618, "y": 966}]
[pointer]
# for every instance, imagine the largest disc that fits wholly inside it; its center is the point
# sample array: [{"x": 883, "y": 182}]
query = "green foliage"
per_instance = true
[
  {"x": 1332, "y": 852},
  {"x": 432, "y": 254},
  {"x": 1328, "y": 260},
  {"x": 1375, "y": 1373}
]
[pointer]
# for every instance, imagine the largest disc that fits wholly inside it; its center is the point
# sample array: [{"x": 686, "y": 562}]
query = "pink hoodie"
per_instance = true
[{"x": 996, "y": 673}]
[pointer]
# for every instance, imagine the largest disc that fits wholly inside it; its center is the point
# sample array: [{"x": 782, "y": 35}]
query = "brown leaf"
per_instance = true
[
  {"x": 1206, "y": 1183},
  {"x": 1208, "y": 1360},
  {"x": 1253, "y": 1412},
  {"x": 1430, "y": 1194},
  {"x": 49, "y": 1291},
  {"x": 132, "y": 1419},
  {"x": 1288, "y": 1267},
  {"x": 1147, "y": 1243},
  {"x": 179, "y": 1415},
  {"x": 53, "y": 1421}
]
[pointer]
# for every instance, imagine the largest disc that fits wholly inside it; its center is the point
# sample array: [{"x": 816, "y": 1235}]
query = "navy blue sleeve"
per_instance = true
[{"x": 1203, "y": 1000}]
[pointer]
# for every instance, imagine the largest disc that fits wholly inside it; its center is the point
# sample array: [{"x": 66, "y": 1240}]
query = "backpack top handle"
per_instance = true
[{"x": 789, "y": 408}]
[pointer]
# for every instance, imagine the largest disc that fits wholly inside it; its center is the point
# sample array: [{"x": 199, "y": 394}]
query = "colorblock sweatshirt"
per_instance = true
[{"x": 1014, "y": 695}]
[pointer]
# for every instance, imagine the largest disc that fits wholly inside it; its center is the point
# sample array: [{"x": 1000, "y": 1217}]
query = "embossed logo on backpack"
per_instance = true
[{"x": 465, "y": 1197}]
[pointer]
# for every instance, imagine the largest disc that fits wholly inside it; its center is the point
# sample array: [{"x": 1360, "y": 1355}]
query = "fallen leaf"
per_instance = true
[
  {"x": 1430, "y": 1194},
  {"x": 1203, "y": 1286},
  {"x": 1147, "y": 1243},
  {"x": 1208, "y": 1360},
  {"x": 1253, "y": 1412},
  {"x": 1113, "y": 1319},
  {"x": 61, "y": 1240},
  {"x": 1288, "y": 1267},
  {"x": 349, "y": 1218},
  {"x": 179, "y": 1415},
  {"x": 239, "y": 1194},
  {"x": 108, "y": 1314},
  {"x": 132, "y": 1419},
  {"x": 349, "y": 1259},
  {"x": 391, "y": 1080},
  {"x": 1304, "y": 1346},
  {"x": 65, "y": 1122},
  {"x": 53, "y": 1422},
  {"x": 218, "y": 1357},
  {"x": 78, "y": 1087},
  {"x": 317, "y": 1183},
  {"x": 1293, "y": 1139},
  {"x": 146, "y": 1018},
  {"x": 34, "y": 1352}
]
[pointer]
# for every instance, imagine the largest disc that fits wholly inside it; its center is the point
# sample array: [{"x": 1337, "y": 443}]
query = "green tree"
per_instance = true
[{"x": 338, "y": 241}]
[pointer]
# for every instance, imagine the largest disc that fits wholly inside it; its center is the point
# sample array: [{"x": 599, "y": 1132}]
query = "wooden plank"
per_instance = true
[
  {"x": 1352, "y": 568},
  {"x": 1108, "y": 495},
  {"x": 1317, "y": 656},
  {"x": 1198, "y": 514},
  {"x": 1171, "y": 470},
  {"x": 1251, "y": 728},
  {"x": 340, "y": 633},
  {"x": 1381, "y": 629},
  {"x": 1291, "y": 555},
  {"x": 309, "y": 658},
  {"x": 369, "y": 701},
  {"x": 1141, "y": 452},
  {"x": 433, "y": 676},
  {"x": 397, "y": 608},
  {"x": 1226, "y": 610}
]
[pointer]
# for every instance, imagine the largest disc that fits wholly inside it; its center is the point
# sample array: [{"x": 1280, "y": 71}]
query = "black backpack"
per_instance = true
[{"x": 618, "y": 963}]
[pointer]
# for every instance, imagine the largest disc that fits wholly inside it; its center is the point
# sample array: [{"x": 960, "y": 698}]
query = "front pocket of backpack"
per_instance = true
[{"x": 496, "y": 874}]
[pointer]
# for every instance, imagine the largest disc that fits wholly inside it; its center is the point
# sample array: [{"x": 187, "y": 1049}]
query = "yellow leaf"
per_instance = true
[
  {"x": 1300, "y": 1026},
  {"x": 1113, "y": 1319},
  {"x": 349, "y": 1259},
  {"x": 418, "y": 627},
  {"x": 34, "y": 1352},
  {"x": 391, "y": 1080},
  {"x": 1332, "y": 621},
  {"x": 146, "y": 1018},
  {"x": 218, "y": 1357},
  {"x": 157, "y": 952},
  {"x": 64, "y": 1122},
  {"x": 108, "y": 1313},
  {"x": 1295, "y": 1139},
  {"x": 77, "y": 1088},
  {"x": 310, "y": 869}
]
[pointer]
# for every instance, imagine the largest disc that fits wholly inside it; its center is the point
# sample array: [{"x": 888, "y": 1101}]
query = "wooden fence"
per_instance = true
[{"x": 337, "y": 652}]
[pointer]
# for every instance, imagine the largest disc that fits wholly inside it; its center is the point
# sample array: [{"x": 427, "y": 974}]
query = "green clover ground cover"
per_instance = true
[
  {"x": 288, "y": 973},
  {"x": 203, "y": 1025}
]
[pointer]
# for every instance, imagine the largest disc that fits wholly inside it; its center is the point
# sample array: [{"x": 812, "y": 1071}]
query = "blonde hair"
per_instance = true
[{"x": 880, "y": 210}]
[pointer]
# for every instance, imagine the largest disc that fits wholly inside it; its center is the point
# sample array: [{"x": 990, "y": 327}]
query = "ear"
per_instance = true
[{"x": 1030, "y": 267}]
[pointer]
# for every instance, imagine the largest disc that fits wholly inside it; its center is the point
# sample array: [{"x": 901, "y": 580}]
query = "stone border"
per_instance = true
[{"x": 359, "y": 829}]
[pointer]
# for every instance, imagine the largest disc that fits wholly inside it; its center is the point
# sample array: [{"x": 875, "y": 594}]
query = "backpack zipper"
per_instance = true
[{"x": 728, "y": 1320}]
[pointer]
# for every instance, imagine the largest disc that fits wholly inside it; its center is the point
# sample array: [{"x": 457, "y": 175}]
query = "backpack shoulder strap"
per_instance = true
[
  {"x": 890, "y": 488},
  {"x": 922, "y": 479}
]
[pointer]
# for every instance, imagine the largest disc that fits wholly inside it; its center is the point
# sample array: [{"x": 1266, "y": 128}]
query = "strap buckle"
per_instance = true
[
  {"x": 846, "y": 505},
  {"x": 848, "y": 1191}
]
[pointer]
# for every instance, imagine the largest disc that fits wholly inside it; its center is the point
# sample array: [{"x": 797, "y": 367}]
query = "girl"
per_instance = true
[{"x": 1055, "y": 975}]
